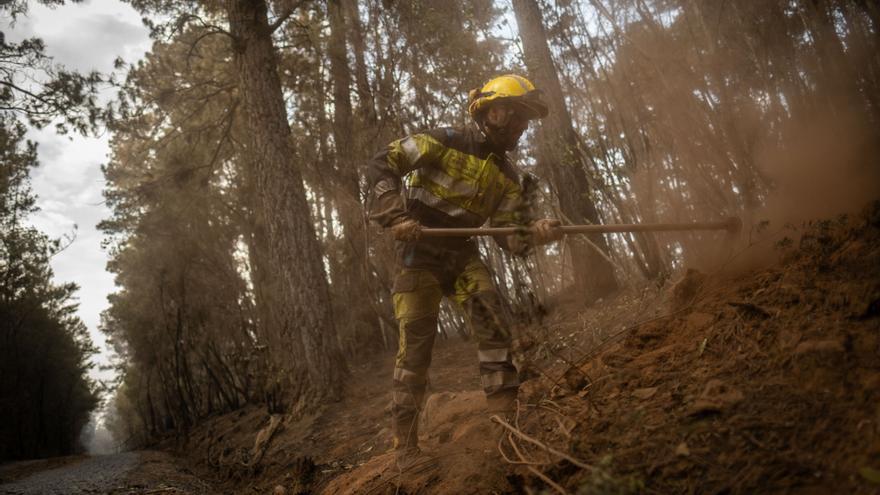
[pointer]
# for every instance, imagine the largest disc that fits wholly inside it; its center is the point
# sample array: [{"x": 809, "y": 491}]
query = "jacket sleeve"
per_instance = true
[
  {"x": 513, "y": 211},
  {"x": 387, "y": 169}
]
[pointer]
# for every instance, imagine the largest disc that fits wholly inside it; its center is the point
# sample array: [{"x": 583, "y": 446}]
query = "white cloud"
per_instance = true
[
  {"x": 83, "y": 36},
  {"x": 98, "y": 41},
  {"x": 86, "y": 36}
]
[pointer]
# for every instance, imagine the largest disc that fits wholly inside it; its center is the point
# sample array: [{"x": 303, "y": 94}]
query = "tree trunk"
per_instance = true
[
  {"x": 560, "y": 155},
  {"x": 366, "y": 107},
  {"x": 347, "y": 198},
  {"x": 294, "y": 251}
]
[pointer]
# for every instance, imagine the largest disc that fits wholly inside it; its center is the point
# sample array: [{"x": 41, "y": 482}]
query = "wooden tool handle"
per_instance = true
[{"x": 732, "y": 225}]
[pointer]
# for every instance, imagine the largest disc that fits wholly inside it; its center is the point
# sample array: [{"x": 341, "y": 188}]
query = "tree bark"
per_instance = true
[
  {"x": 294, "y": 251},
  {"x": 366, "y": 108},
  {"x": 348, "y": 198},
  {"x": 560, "y": 155}
]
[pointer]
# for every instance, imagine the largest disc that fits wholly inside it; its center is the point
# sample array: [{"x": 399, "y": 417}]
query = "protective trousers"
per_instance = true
[{"x": 417, "y": 295}]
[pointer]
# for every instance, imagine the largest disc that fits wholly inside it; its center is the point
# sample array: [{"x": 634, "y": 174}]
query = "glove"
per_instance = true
[
  {"x": 406, "y": 230},
  {"x": 545, "y": 230}
]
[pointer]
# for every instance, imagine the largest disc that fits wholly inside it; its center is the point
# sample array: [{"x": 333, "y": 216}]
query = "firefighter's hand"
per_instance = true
[
  {"x": 407, "y": 230},
  {"x": 545, "y": 230}
]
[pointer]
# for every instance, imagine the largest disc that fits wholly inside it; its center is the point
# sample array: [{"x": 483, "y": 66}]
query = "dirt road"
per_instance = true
[{"x": 125, "y": 473}]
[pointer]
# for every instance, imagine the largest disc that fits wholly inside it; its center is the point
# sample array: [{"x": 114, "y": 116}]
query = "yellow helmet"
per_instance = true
[{"x": 512, "y": 88}]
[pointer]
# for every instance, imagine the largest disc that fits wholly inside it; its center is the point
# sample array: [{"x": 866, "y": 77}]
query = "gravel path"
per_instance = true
[{"x": 99, "y": 474}]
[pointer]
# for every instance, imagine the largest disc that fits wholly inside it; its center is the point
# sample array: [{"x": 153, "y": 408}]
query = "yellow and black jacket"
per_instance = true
[{"x": 454, "y": 178}]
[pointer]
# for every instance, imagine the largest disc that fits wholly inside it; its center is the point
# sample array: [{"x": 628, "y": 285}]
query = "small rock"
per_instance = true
[
  {"x": 279, "y": 490},
  {"x": 575, "y": 379},
  {"x": 825, "y": 347},
  {"x": 682, "y": 450},
  {"x": 716, "y": 397},
  {"x": 698, "y": 321},
  {"x": 644, "y": 393}
]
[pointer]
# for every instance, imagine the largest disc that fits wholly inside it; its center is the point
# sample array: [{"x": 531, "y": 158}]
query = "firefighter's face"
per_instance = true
[{"x": 506, "y": 124}]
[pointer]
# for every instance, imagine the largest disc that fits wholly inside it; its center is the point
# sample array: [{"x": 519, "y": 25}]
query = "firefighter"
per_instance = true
[{"x": 456, "y": 178}]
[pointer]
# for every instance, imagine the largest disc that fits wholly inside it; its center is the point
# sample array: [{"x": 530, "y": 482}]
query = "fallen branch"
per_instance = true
[
  {"x": 547, "y": 480},
  {"x": 541, "y": 444},
  {"x": 523, "y": 462},
  {"x": 264, "y": 438}
]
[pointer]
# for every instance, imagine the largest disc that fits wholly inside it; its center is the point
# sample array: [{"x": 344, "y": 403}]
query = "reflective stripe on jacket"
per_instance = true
[{"x": 455, "y": 179}]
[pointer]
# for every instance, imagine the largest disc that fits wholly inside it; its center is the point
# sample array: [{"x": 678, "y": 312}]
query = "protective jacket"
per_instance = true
[{"x": 457, "y": 180}]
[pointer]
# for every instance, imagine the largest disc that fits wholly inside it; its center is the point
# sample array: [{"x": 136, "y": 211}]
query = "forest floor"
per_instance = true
[{"x": 757, "y": 380}]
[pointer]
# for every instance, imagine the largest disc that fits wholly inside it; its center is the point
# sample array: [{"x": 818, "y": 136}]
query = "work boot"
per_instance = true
[
  {"x": 405, "y": 441},
  {"x": 413, "y": 460},
  {"x": 407, "y": 455},
  {"x": 404, "y": 431}
]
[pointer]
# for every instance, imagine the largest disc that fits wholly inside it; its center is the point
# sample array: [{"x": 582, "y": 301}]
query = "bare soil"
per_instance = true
[
  {"x": 346, "y": 447},
  {"x": 763, "y": 381}
]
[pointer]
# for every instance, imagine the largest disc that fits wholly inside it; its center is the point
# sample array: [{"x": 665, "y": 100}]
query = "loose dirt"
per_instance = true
[
  {"x": 346, "y": 447},
  {"x": 759, "y": 381}
]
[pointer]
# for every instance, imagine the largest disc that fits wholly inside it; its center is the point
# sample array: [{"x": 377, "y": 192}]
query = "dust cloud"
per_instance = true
[
  {"x": 825, "y": 166},
  {"x": 828, "y": 166}
]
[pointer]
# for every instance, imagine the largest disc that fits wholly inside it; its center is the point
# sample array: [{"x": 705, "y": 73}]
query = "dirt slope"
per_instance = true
[
  {"x": 763, "y": 382},
  {"x": 766, "y": 382},
  {"x": 345, "y": 447}
]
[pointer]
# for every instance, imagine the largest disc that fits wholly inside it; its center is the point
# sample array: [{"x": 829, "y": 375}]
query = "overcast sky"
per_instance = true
[{"x": 84, "y": 36}]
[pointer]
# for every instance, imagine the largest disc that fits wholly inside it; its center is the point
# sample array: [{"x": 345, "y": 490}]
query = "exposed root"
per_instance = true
[
  {"x": 542, "y": 445},
  {"x": 547, "y": 480}
]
